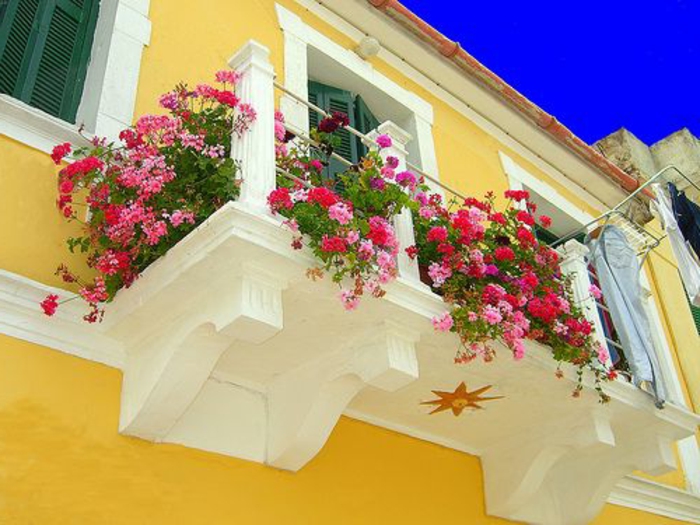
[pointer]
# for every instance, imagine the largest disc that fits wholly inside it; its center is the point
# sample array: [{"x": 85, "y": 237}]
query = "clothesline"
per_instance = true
[{"x": 641, "y": 236}]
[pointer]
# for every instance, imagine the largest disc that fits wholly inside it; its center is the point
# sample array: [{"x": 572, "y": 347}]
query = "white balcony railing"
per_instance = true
[{"x": 227, "y": 347}]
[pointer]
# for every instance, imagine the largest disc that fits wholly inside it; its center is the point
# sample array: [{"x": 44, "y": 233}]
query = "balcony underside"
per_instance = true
[{"x": 229, "y": 348}]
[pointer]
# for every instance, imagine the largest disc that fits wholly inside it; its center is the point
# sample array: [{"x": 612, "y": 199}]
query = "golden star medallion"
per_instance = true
[{"x": 460, "y": 399}]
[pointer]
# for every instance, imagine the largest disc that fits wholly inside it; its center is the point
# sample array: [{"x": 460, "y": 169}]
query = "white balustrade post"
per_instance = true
[
  {"x": 403, "y": 223},
  {"x": 573, "y": 263},
  {"x": 255, "y": 149}
]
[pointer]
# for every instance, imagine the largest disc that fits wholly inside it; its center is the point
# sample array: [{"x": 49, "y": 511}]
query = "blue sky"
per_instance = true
[{"x": 596, "y": 65}]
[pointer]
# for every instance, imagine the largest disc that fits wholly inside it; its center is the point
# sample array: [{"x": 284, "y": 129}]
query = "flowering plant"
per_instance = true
[
  {"x": 169, "y": 174},
  {"x": 501, "y": 283},
  {"x": 347, "y": 222}
]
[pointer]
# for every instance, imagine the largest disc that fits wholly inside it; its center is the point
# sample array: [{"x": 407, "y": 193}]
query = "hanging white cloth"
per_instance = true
[{"x": 687, "y": 264}]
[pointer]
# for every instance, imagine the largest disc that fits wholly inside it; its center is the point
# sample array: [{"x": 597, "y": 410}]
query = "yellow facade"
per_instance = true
[{"x": 61, "y": 457}]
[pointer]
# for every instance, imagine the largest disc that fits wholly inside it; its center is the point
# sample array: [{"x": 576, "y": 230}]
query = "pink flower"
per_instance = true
[
  {"x": 366, "y": 250},
  {"x": 426, "y": 213},
  {"x": 180, "y": 216},
  {"x": 439, "y": 274},
  {"x": 443, "y": 322},
  {"x": 340, "y": 212},
  {"x": 392, "y": 162},
  {"x": 406, "y": 179},
  {"x": 349, "y": 299},
  {"x": 384, "y": 141},
  {"x": 492, "y": 315},
  {"x": 352, "y": 237},
  {"x": 595, "y": 291},
  {"x": 50, "y": 304},
  {"x": 518, "y": 349},
  {"x": 228, "y": 76},
  {"x": 603, "y": 354}
]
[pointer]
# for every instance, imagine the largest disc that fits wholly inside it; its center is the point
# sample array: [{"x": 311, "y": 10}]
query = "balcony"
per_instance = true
[{"x": 228, "y": 347}]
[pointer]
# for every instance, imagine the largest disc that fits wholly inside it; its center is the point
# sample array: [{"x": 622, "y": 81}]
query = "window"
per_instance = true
[
  {"x": 332, "y": 99},
  {"x": 695, "y": 311},
  {"x": 44, "y": 50}
]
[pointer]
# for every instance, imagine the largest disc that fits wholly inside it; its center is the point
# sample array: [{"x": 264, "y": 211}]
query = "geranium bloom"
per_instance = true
[
  {"x": 492, "y": 315},
  {"x": 545, "y": 221},
  {"x": 50, "y": 304},
  {"x": 349, "y": 299},
  {"x": 280, "y": 199},
  {"x": 323, "y": 196},
  {"x": 504, "y": 253},
  {"x": 406, "y": 178},
  {"x": 333, "y": 244},
  {"x": 517, "y": 195},
  {"x": 443, "y": 322},
  {"x": 438, "y": 273},
  {"x": 595, "y": 291},
  {"x": 384, "y": 141},
  {"x": 59, "y": 152},
  {"x": 437, "y": 234},
  {"x": 340, "y": 212},
  {"x": 525, "y": 218}
]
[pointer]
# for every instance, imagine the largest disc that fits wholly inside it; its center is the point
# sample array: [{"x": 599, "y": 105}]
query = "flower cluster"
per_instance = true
[
  {"x": 169, "y": 174},
  {"x": 500, "y": 282},
  {"x": 346, "y": 220}
]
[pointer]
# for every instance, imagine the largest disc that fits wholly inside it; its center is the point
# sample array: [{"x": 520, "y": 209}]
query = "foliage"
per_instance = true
[{"x": 169, "y": 174}]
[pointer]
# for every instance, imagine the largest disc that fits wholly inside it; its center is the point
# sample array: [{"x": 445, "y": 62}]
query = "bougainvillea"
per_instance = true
[
  {"x": 347, "y": 220},
  {"x": 501, "y": 284},
  {"x": 139, "y": 198}
]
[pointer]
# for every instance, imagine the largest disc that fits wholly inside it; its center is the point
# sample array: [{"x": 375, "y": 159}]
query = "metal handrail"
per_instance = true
[{"x": 366, "y": 139}]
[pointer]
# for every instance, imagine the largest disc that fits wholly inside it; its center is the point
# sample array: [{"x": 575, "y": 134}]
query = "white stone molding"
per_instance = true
[
  {"x": 649, "y": 496},
  {"x": 122, "y": 32},
  {"x": 255, "y": 150},
  {"x": 22, "y": 317}
]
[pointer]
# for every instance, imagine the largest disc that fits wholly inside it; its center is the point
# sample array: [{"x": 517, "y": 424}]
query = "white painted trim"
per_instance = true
[
  {"x": 519, "y": 177},
  {"x": 21, "y": 317},
  {"x": 648, "y": 496},
  {"x": 404, "y": 67},
  {"x": 298, "y": 36},
  {"x": 109, "y": 94},
  {"x": 33, "y": 127}
]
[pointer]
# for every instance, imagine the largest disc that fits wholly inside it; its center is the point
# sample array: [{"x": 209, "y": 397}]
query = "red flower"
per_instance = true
[
  {"x": 437, "y": 234},
  {"x": 50, "y": 304},
  {"x": 504, "y": 253},
  {"x": 323, "y": 196},
  {"x": 280, "y": 199},
  {"x": 65, "y": 186},
  {"x": 412, "y": 251},
  {"x": 498, "y": 218},
  {"x": 545, "y": 221},
  {"x": 517, "y": 195},
  {"x": 226, "y": 98},
  {"x": 82, "y": 166},
  {"x": 525, "y": 218},
  {"x": 334, "y": 244},
  {"x": 525, "y": 237},
  {"x": 130, "y": 138},
  {"x": 59, "y": 152}
]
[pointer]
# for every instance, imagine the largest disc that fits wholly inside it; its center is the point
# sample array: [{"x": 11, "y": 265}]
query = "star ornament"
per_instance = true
[{"x": 460, "y": 399}]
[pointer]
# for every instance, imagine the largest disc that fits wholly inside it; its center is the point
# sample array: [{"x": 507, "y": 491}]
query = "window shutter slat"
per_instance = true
[
  {"x": 43, "y": 60},
  {"x": 366, "y": 122},
  {"x": 17, "y": 29}
]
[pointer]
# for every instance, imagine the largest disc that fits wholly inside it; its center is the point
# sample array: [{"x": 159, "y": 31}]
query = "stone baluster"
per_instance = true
[
  {"x": 403, "y": 223},
  {"x": 255, "y": 149},
  {"x": 573, "y": 263}
]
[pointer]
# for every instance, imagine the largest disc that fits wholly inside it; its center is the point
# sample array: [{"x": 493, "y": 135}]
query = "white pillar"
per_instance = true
[
  {"x": 573, "y": 263},
  {"x": 255, "y": 150},
  {"x": 403, "y": 222}
]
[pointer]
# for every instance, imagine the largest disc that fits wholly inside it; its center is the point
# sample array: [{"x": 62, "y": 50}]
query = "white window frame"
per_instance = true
[
  {"x": 123, "y": 29},
  {"x": 519, "y": 179},
  {"x": 299, "y": 37}
]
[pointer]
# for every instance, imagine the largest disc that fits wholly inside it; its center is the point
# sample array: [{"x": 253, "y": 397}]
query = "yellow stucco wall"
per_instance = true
[{"x": 62, "y": 460}]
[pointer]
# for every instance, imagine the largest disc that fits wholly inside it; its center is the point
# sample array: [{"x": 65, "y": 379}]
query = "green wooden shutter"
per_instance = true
[
  {"x": 332, "y": 99},
  {"x": 44, "y": 51},
  {"x": 366, "y": 122},
  {"x": 695, "y": 311}
]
